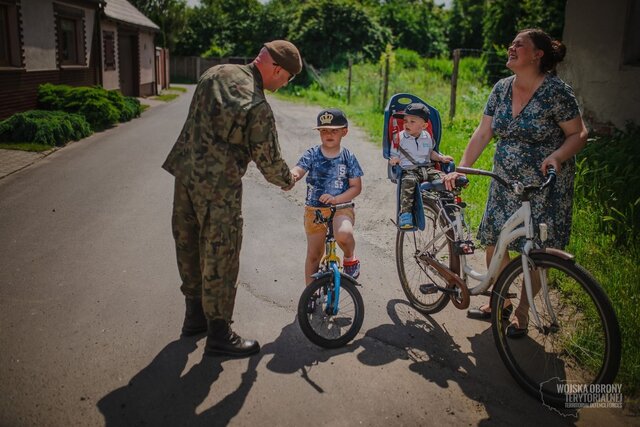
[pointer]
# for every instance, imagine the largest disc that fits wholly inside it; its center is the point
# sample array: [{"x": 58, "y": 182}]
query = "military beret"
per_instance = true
[{"x": 286, "y": 55}]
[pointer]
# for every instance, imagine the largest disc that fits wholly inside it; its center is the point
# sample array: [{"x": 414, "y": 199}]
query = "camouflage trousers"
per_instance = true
[
  {"x": 410, "y": 179},
  {"x": 208, "y": 238}
]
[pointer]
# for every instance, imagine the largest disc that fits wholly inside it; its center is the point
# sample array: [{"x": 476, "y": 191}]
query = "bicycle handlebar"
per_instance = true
[
  {"x": 321, "y": 219},
  {"x": 516, "y": 187}
]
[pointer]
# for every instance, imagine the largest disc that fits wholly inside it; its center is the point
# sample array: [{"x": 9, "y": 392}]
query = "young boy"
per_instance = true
[
  {"x": 334, "y": 177},
  {"x": 414, "y": 156}
]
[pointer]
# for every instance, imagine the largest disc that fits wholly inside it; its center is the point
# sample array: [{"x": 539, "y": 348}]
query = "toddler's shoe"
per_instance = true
[
  {"x": 352, "y": 268},
  {"x": 405, "y": 221}
]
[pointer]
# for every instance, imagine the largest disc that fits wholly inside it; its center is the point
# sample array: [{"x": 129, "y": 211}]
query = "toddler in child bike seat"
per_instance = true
[
  {"x": 334, "y": 176},
  {"x": 414, "y": 153}
]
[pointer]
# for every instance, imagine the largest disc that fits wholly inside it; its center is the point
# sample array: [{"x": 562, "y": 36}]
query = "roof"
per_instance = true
[{"x": 123, "y": 11}]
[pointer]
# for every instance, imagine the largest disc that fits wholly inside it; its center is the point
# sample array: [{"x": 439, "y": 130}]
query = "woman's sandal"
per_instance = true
[
  {"x": 479, "y": 313},
  {"x": 514, "y": 331}
]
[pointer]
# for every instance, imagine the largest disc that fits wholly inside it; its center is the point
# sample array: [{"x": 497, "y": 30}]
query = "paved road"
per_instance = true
[{"x": 90, "y": 309}]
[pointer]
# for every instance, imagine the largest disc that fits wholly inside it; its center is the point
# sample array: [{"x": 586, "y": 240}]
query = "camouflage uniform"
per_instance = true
[
  {"x": 410, "y": 179},
  {"x": 229, "y": 124}
]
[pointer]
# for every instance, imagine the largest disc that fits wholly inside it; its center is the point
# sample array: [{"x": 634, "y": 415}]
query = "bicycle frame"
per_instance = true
[
  {"x": 330, "y": 258},
  {"x": 519, "y": 224}
]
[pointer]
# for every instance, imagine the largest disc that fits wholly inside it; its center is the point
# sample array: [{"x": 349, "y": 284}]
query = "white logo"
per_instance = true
[{"x": 326, "y": 118}]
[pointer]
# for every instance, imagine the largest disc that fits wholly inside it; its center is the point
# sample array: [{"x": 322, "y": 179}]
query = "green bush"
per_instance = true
[
  {"x": 128, "y": 106},
  {"x": 44, "y": 127},
  {"x": 100, "y": 107},
  {"x": 606, "y": 179},
  {"x": 408, "y": 59}
]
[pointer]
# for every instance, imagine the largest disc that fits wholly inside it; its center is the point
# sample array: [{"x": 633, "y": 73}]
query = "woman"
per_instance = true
[{"x": 538, "y": 124}]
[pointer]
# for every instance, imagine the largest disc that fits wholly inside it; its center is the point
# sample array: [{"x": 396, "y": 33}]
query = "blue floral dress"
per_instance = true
[{"x": 524, "y": 142}]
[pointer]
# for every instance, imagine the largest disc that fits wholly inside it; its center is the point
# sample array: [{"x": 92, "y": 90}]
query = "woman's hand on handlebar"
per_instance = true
[
  {"x": 449, "y": 180},
  {"x": 550, "y": 162}
]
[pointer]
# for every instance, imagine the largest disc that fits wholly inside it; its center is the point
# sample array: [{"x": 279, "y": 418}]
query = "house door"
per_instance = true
[{"x": 128, "y": 62}]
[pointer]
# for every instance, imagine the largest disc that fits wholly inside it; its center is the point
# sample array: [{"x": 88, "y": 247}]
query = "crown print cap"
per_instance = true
[{"x": 331, "y": 118}]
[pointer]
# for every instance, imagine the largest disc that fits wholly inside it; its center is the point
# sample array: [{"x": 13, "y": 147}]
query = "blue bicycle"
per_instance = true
[{"x": 331, "y": 310}]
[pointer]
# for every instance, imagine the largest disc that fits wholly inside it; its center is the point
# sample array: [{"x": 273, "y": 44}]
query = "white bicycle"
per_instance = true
[{"x": 571, "y": 333}]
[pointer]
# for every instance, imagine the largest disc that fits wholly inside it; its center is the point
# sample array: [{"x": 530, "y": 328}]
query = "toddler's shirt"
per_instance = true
[
  {"x": 328, "y": 175},
  {"x": 419, "y": 148}
]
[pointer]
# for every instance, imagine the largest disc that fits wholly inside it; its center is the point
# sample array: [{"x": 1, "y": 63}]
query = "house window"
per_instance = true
[
  {"x": 631, "y": 49},
  {"x": 109, "y": 44},
  {"x": 70, "y": 31},
  {"x": 10, "y": 52}
]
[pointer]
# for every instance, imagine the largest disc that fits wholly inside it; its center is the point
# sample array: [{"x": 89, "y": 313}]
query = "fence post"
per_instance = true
[
  {"x": 385, "y": 93},
  {"x": 454, "y": 83},
  {"x": 197, "y": 68},
  {"x": 349, "y": 83}
]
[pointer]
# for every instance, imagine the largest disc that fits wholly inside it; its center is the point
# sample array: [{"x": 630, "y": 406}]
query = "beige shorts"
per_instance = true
[{"x": 311, "y": 227}]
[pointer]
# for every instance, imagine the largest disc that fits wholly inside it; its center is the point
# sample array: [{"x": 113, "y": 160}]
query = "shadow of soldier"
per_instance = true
[
  {"x": 436, "y": 357},
  {"x": 159, "y": 395}
]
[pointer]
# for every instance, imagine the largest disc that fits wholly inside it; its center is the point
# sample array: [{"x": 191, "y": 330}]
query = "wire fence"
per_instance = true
[{"x": 375, "y": 83}]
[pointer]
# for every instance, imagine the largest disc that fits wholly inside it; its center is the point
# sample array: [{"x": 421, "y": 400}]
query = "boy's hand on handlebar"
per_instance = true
[
  {"x": 328, "y": 199},
  {"x": 449, "y": 180},
  {"x": 446, "y": 159}
]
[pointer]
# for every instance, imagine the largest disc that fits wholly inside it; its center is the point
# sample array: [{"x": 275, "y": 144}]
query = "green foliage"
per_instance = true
[
  {"x": 327, "y": 31},
  {"x": 408, "y": 59},
  {"x": 100, "y": 107},
  {"x": 224, "y": 28},
  {"x": 416, "y": 24},
  {"x": 44, "y": 127},
  {"x": 606, "y": 178},
  {"x": 169, "y": 15},
  {"x": 465, "y": 24},
  {"x": 547, "y": 15},
  {"x": 499, "y": 29}
]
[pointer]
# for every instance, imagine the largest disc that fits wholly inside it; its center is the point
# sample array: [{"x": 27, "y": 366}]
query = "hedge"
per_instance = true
[
  {"x": 100, "y": 107},
  {"x": 44, "y": 127}
]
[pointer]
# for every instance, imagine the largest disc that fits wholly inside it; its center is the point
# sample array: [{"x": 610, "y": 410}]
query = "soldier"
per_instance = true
[{"x": 229, "y": 124}]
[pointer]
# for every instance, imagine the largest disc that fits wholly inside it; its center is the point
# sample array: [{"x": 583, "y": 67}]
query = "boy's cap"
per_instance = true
[
  {"x": 286, "y": 55},
  {"x": 416, "y": 109},
  {"x": 331, "y": 119}
]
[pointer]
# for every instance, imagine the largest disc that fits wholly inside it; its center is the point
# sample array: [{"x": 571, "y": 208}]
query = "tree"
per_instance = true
[
  {"x": 417, "y": 25},
  {"x": 499, "y": 29},
  {"x": 465, "y": 24},
  {"x": 547, "y": 15},
  {"x": 326, "y": 32},
  {"x": 169, "y": 15}
]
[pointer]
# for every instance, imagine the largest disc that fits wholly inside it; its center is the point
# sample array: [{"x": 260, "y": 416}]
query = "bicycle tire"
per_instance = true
[
  {"x": 327, "y": 330},
  {"x": 583, "y": 345},
  {"x": 413, "y": 272}
]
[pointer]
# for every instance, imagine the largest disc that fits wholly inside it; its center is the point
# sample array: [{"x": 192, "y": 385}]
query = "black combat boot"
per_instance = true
[
  {"x": 195, "y": 321},
  {"x": 221, "y": 340}
]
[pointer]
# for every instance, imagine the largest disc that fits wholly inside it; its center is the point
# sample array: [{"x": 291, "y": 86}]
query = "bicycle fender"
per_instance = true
[{"x": 556, "y": 252}]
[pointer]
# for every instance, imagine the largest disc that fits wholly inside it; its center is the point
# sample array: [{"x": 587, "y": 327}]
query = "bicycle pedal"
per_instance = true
[{"x": 428, "y": 288}]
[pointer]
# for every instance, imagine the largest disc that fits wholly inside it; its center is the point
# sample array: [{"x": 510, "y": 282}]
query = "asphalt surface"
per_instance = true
[{"x": 90, "y": 310}]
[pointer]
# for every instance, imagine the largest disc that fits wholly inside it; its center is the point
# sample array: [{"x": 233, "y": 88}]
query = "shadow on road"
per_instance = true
[
  {"x": 438, "y": 359},
  {"x": 158, "y": 395}
]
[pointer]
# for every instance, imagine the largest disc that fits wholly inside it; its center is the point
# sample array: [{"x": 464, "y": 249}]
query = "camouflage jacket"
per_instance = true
[{"x": 229, "y": 124}]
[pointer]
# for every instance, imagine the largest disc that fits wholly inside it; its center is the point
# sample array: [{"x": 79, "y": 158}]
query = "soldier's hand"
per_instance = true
[{"x": 293, "y": 183}]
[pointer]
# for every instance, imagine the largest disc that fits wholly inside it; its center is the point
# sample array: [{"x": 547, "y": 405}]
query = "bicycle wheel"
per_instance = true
[
  {"x": 436, "y": 240},
  {"x": 582, "y": 346},
  {"x": 316, "y": 317}
]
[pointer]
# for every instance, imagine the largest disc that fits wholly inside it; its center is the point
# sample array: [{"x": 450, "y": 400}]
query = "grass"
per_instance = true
[
  {"x": 178, "y": 88},
  {"x": 616, "y": 267},
  {"x": 25, "y": 146},
  {"x": 166, "y": 97}
]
